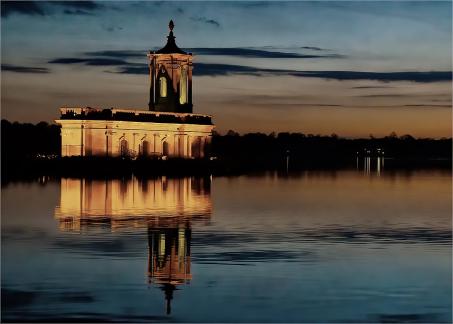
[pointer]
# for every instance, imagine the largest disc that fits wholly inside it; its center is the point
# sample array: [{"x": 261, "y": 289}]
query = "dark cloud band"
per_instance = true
[
  {"x": 213, "y": 69},
  {"x": 44, "y": 8},
  {"x": 31, "y": 8},
  {"x": 24, "y": 69},
  {"x": 226, "y": 69},
  {"x": 90, "y": 61},
  {"x": 205, "y": 20},
  {"x": 220, "y": 51},
  {"x": 256, "y": 53},
  {"x": 430, "y": 76}
]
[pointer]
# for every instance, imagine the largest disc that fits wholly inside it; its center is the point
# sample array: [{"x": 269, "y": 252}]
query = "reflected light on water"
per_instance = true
[
  {"x": 166, "y": 207},
  {"x": 369, "y": 164},
  {"x": 132, "y": 203},
  {"x": 368, "y": 248}
]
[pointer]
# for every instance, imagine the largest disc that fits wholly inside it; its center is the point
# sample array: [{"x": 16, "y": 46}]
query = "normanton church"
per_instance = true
[{"x": 168, "y": 129}]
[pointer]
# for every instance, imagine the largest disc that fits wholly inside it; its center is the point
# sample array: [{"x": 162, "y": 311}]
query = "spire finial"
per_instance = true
[{"x": 171, "y": 46}]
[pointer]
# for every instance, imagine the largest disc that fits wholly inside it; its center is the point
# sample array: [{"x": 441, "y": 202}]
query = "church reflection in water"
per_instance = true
[{"x": 166, "y": 208}]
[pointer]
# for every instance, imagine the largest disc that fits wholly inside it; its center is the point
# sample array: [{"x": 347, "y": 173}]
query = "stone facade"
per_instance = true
[
  {"x": 170, "y": 82},
  {"x": 115, "y": 138}
]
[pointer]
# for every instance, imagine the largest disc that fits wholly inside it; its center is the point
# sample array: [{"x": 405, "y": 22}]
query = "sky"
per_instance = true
[{"x": 353, "y": 68}]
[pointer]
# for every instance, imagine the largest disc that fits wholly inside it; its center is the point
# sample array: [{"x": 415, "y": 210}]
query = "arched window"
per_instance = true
[
  {"x": 183, "y": 86},
  {"x": 196, "y": 147},
  {"x": 124, "y": 148},
  {"x": 145, "y": 148},
  {"x": 163, "y": 86},
  {"x": 165, "y": 148}
]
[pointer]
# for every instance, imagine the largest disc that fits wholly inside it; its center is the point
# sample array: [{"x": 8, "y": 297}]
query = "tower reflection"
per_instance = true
[
  {"x": 169, "y": 259},
  {"x": 166, "y": 208}
]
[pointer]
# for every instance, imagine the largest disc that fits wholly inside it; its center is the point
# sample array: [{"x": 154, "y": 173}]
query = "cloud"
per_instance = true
[
  {"x": 221, "y": 51},
  {"x": 112, "y": 29},
  {"x": 90, "y": 61},
  {"x": 44, "y": 8},
  {"x": 23, "y": 69},
  {"x": 429, "y": 106},
  {"x": 21, "y": 7},
  {"x": 201, "y": 69},
  {"x": 213, "y": 69},
  {"x": 87, "y": 5},
  {"x": 118, "y": 53},
  {"x": 78, "y": 7},
  {"x": 255, "y": 4},
  {"x": 77, "y": 12},
  {"x": 383, "y": 95},
  {"x": 255, "y": 53},
  {"x": 371, "y": 87},
  {"x": 132, "y": 68},
  {"x": 314, "y": 48},
  {"x": 206, "y": 21},
  {"x": 118, "y": 59},
  {"x": 227, "y": 69},
  {"x": 430, "y": 76}
]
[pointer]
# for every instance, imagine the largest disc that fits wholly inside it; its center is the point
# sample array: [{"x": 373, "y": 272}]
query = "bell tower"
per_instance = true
[{"x": 170, "y": 73}]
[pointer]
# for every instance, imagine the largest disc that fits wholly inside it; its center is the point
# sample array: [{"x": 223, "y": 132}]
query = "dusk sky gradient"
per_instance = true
[{"x": 350, "y": 68}]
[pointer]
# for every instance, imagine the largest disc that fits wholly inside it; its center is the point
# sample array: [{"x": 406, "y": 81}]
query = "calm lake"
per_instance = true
[{"x": 317, "y": 246}]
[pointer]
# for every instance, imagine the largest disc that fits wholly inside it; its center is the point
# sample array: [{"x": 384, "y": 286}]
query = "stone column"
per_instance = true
[
  {"x": 106, "y": 144},
  {"x": 203, "y": 143},
  {"x": 189, "y": 146},
  {"x": 152, "y": 76},
  {"x": 82, "y": 140},
  {"x": 189, "y": 88}
]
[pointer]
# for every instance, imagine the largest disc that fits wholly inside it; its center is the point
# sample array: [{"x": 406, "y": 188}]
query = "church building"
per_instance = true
[{"x": 168, "y": 129}]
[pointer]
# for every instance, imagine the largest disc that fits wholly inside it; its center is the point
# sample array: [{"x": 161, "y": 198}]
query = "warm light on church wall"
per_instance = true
[
  {"x": 178, "y": 77},
  {"x": 107, "y": 138}
]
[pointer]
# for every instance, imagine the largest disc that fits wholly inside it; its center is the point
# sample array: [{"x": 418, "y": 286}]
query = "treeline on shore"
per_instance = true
[
  {"x": 301, "y": 147},
  {"x": 27, "y": 146}
]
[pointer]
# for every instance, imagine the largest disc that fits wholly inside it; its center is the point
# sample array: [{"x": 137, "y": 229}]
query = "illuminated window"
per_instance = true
[
  {"x": 183, "y": 86},
  {"x": 163, "y": 86}
]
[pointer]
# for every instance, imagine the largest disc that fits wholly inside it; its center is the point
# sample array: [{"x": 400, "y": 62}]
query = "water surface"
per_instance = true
[{"x": 337, "y": 246}]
